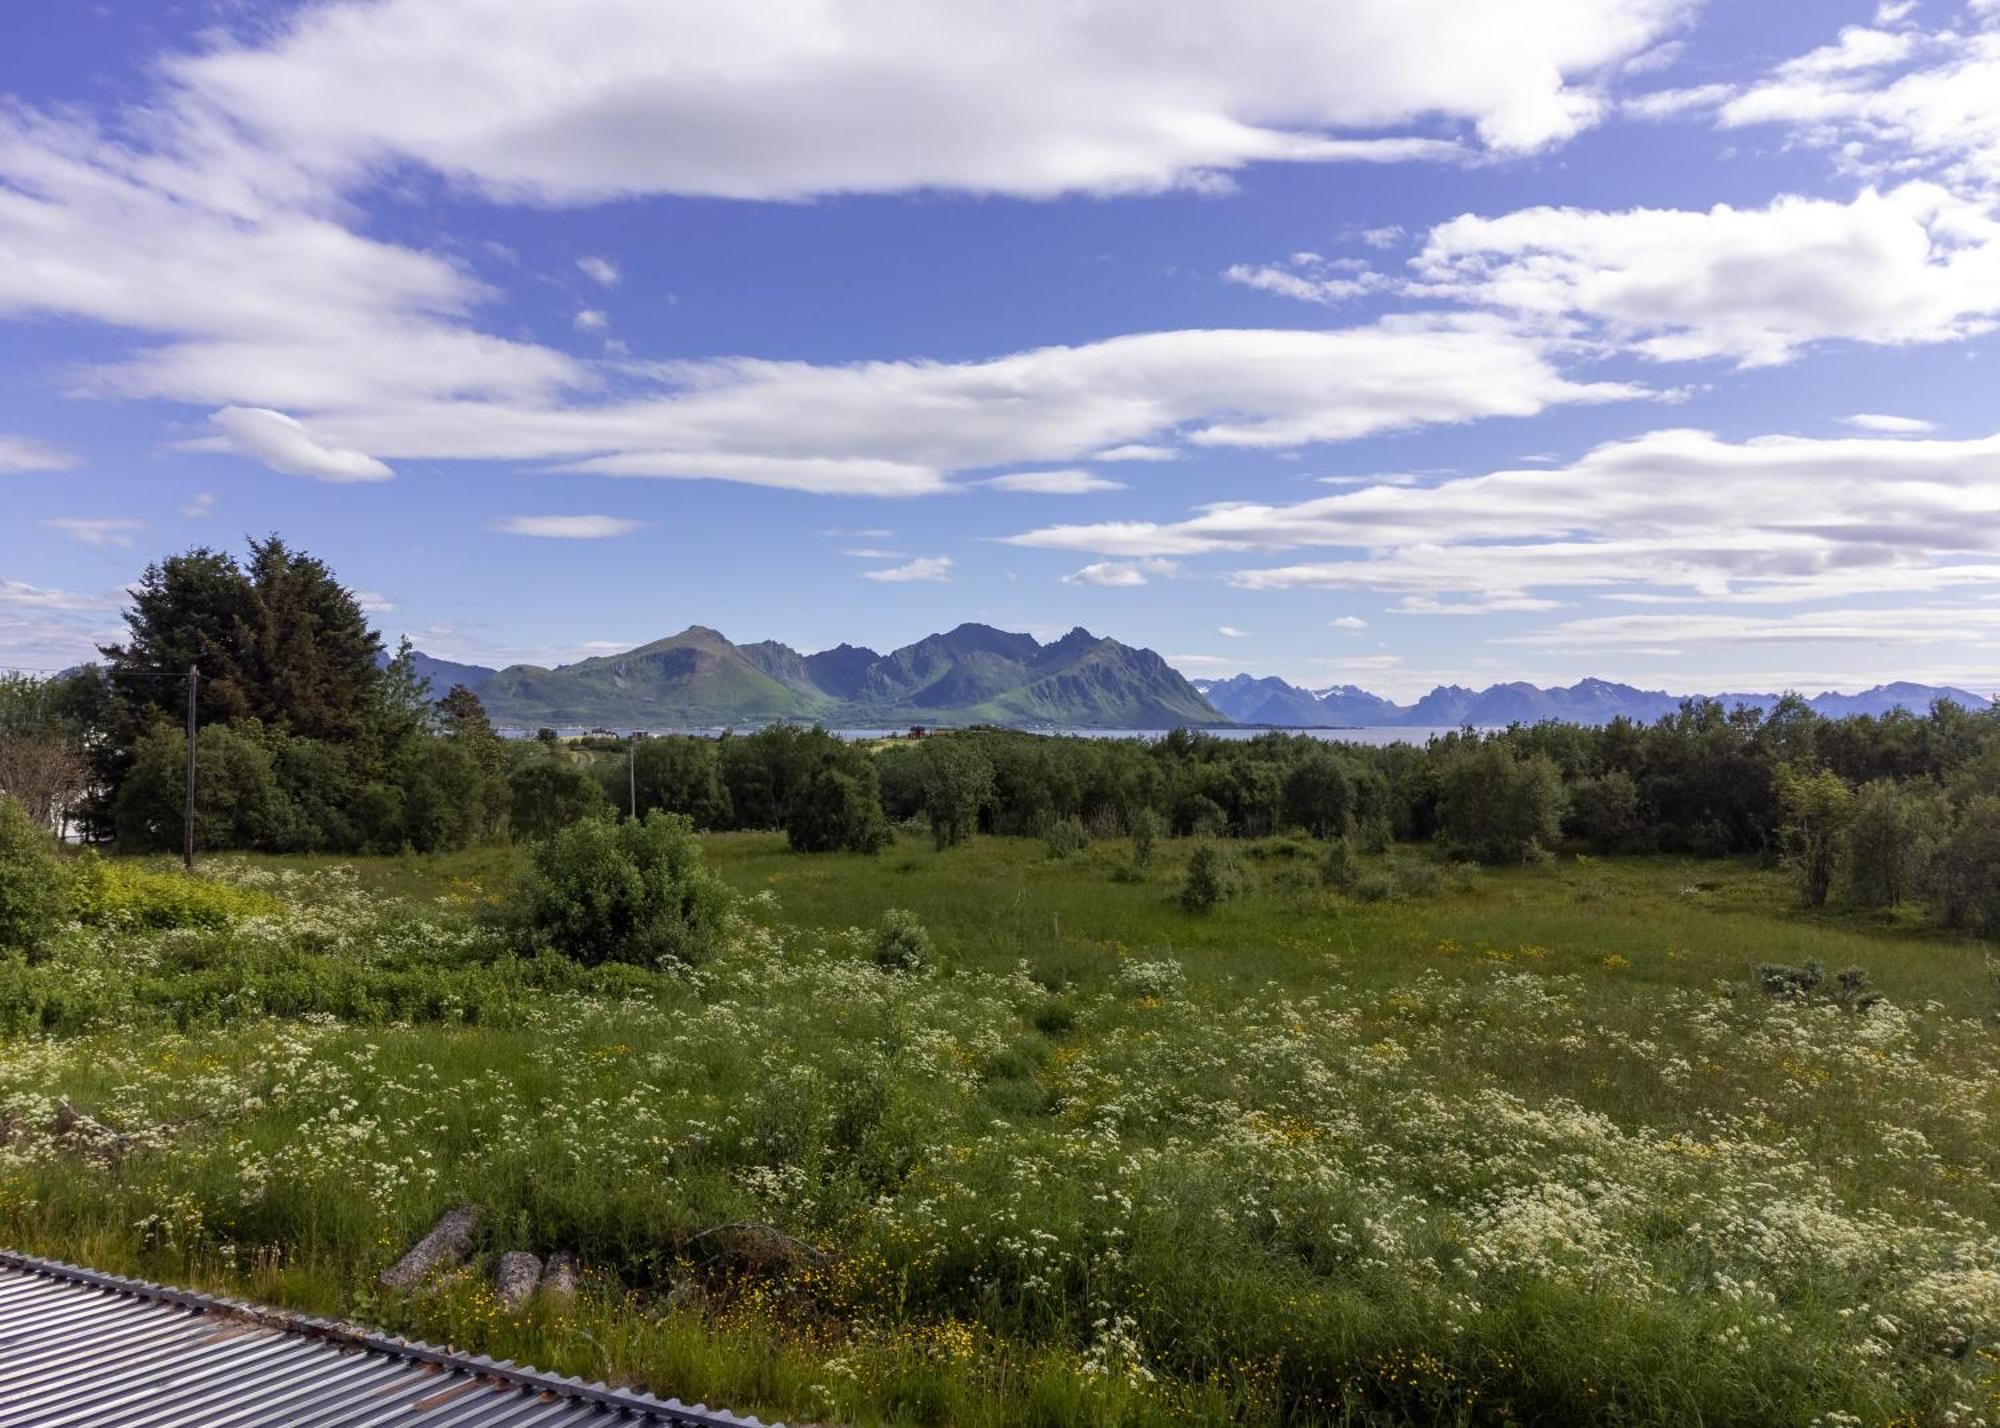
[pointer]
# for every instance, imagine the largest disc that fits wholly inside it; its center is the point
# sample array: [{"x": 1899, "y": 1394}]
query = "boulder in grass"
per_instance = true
[
  {"x": 515, "y": 1278},
  {"x": 559, "y": 1278},
  {"x": 448, "y": 1242}
]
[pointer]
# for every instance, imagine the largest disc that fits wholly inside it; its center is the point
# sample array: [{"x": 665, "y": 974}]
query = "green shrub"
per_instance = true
[
  {"x": 1398, "y": 879},
  {"x": 624, "y": 892},
  {"x": 119, "y": 894},
  {"x": 1066, "y": 838},
  {"x": 1145, "y": 834},
  {"x": 838, "y": 810},
  {"x": 1963, "y": 888},
  {"x": 1339, "y": 869},
  {"x": 902, "y": 944},
  {"x": 1604, "y": 812},
  {"x": 1212, "y": 879},
  {"x": 31, "y": 880},
  {"x": 549, "y": 793},
  {"x": 1496, "y": 805}
]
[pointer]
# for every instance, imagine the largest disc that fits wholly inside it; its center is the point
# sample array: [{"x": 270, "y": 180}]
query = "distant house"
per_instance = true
[{"x": 917, "y": 731}]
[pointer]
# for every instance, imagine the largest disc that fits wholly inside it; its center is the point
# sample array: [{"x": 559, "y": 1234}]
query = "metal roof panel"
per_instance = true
[{"x": 78, "y": 1348}]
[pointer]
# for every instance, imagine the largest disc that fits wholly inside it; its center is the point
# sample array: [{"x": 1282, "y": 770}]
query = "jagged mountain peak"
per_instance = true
[{"x": 972, "y": 673}]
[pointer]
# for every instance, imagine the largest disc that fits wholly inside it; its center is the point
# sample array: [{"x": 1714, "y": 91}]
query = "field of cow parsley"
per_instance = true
[{"x": 1584, "y": 1170}]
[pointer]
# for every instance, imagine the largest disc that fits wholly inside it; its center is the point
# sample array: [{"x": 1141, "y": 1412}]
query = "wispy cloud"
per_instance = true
[
  {"x": 1072, "y": 482},
  {"x": 936, "y": 568},
  {"x": 87, "y": 530},
  {"x": 1122, "y": 573},
  {"x": 567, "y": 527},
  {"x": 21, "y": 454}
]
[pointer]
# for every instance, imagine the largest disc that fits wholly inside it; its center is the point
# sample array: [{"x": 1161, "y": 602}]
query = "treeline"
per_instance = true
[
  {"x": 1875, "y": 812},
  {"x": 311, "y": 741}
]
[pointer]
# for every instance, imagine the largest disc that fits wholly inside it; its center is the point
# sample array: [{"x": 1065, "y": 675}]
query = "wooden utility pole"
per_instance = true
[{"x": 187, "y": 820}]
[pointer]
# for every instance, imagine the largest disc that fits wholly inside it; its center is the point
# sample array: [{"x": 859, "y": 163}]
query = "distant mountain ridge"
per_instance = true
[
  {"x": 974, "y": 674},
  {"x": 978, "y": 674},
  {"x": 1248, "y": 700}
]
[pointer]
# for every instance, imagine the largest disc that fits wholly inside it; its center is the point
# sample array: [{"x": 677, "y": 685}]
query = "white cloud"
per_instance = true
[
  {"x": 201, "y": 503},
  {"x": 870, "y": 552},
  {"x": 331, "y": 355},
  {"x": 1136, "y": 451},
  {"x": 1349, "y": 622},
  {"x": 226, "y": 254},
  {"x": 288, "y": 445},
  {"x": 21, "y": 454},
  {"x": 936, "y": 568},
  {"x": 1890, "y": 425},
  {"x": 590, "y": 319},
  {"x": 1121, "y": 573},
  {"x": 1891, "y": 101},
  {"x": 19, "y": 595},
  {"x": 1232, "y": 633},
  {"x": 1309, "y": 278},
  {"x": 834, "y": 476},
  {"x": 900, "y": 428},
  {"x": 41, "y": 628},
  {"x": 567, "y": 527},
  {"x": 1071, "y": 482},
  {"x": 373, "y": 602},
  {"x": 767, "y": 101},
  {"x": 97, "y": 531},
  {"x": 601, "y": 271},
  {"x": 1488, "y": 605},
  {"x": 1766, "y": 520},
  {"x": 1922, "y": 624},
  {"x": 1912, "y": 265}
]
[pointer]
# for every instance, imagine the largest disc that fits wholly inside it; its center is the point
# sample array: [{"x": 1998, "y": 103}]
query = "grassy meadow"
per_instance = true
[{"x": 1517, "y": 1146}]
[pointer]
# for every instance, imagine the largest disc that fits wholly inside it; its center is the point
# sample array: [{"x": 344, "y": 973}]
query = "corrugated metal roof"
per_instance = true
[{"x": 97, "y": 1351}]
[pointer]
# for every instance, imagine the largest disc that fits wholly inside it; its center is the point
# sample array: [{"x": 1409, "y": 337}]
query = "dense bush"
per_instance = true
[
  {"x": 839, "y": 810},
  {"x": 31, "y": 880},
  {"x": 680, "y": 776},
  {"x": 902, "y": 944},
  {"x": 1066, "y": 837},
  {"x": 1146, "y": 830},
  {"x": 600, "y": 891},
  {"x": 1817, "y": 806},
  {"x": 1318, "y": 796},
  {"x": 1964, "y": 877},
  {"x": 1496, "y": 805},
  {"x": 1212, "y": 879},
  {"x": 1888, "y": 842},
  {"x": 550, "y": 793},
  {"x": 1604, "y": 812},
  {"x": 957, "y": 781}
]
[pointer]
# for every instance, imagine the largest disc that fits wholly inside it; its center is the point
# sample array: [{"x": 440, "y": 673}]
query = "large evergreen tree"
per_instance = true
[
  {"x": 311, "y": 662},
  {"x": 281, "y": 641},
  {"x": 195, "y": 609}
]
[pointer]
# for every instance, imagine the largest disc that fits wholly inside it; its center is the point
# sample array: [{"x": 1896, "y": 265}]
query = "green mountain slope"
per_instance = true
[
  {"x": 972, "y": 674},
  {"x": 695, "y": 677}
]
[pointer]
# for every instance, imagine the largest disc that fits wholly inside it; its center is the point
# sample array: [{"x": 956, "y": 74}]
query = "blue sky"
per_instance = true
[{"x": 1381, "y": 342}]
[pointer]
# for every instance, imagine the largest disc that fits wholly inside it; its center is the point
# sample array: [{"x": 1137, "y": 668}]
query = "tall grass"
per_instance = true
[{"x": 1531, "y": 1149}]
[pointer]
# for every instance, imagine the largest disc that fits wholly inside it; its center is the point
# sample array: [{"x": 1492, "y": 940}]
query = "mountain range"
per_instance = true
[
  {"x": 1248, "y": 700},
  {"x": 974, "y": 674}
]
